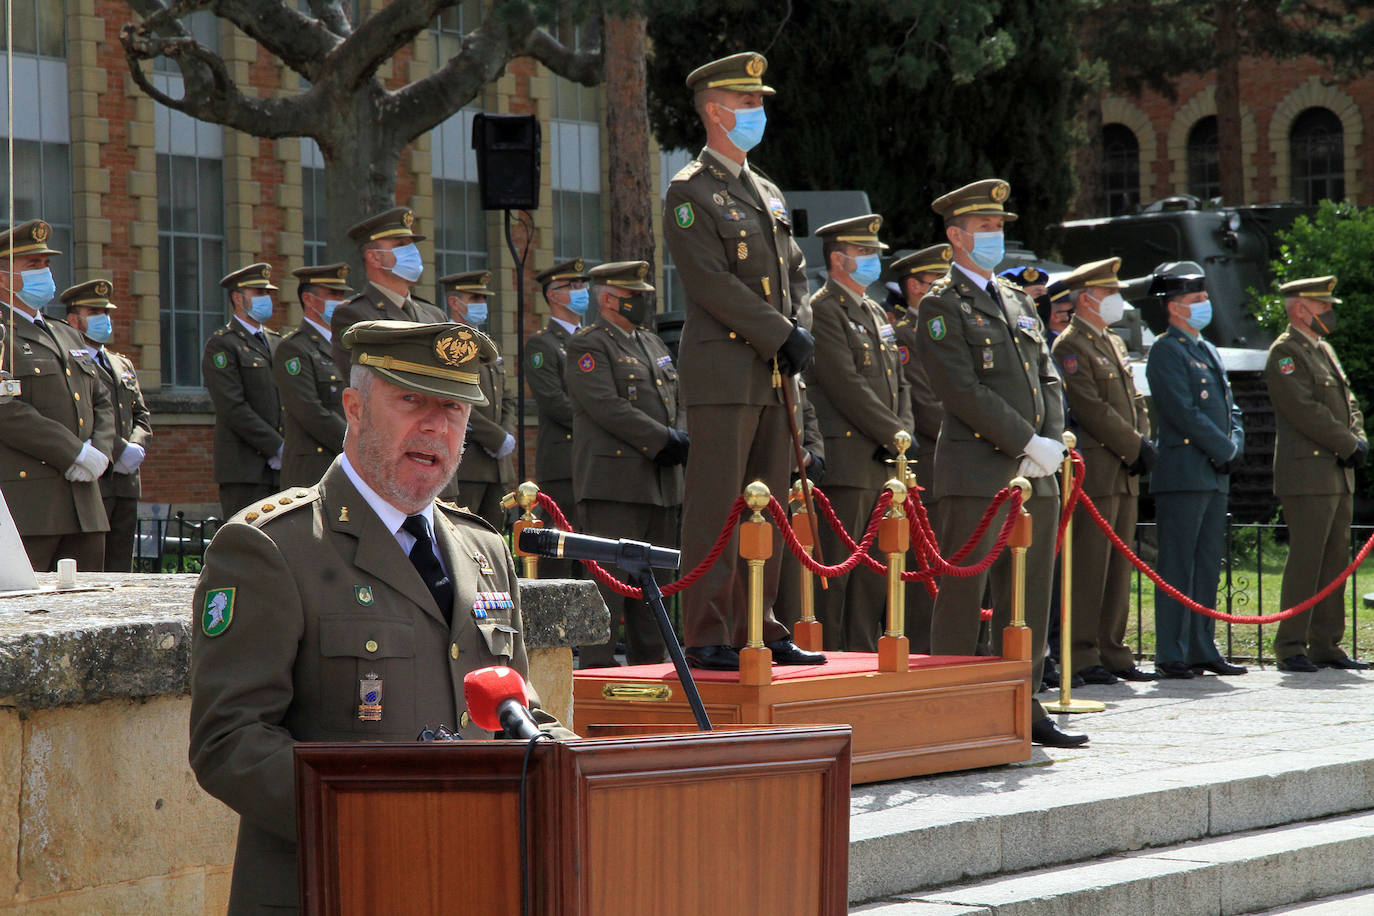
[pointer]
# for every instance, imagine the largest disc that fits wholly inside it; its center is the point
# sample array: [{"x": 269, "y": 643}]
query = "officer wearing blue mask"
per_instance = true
[
  {"x": 237, "y": 369},
  {"x": 310, "y": 384},
  {"x": 1201, "y": 443},
  {"x": 861, "y": 399},
  {"x": 88, "y": 311},
  {"x": 487, "y": 471},
  {"x": 393, "y": 265}
]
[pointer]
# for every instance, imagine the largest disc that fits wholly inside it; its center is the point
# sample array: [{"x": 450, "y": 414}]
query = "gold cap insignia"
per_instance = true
[
  {"x": 873, "y": 226},
  {"x": 408, "y": 219},
  {"x": 267, "y": 271},
  {"x": 1031, "y": 275},
  {"x": 40, "y": 232},
  {"x": 754, "y": 67},
  {"x": 946, "y": 253},
  {"x": 456, "y": 348},
  {"x": 1000, "y": 191},
  {"x": 642, "y": 271},
  {"x": 102, "y": 288},
  {"x": 343, "y": 272},
  {"x": 577, "y": 265}
]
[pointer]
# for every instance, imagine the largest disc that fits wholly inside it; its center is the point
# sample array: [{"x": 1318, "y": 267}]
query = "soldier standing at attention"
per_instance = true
[
  {"x": 628, "y": 441},
  {"x": 861, "y": 403},
  {"x": 88, "y": 306},
  {"x": 392, "y": 265},
  {"x": 1114, "y": 439},
  {"x": 486, "y": 474},
  {"x": 310, "y": 385},
  {"x": 56, "y": 436},
  {"x": 915, "y": 273},
  {"x": 730, "y": 237},
  {"x": 1201, "y": 441},
  {"x": 237, "y": 367},
  {"x": 564, "y": 286},
  {"x": 985, "y": 351},
  {"x": 1321, "y": 440}
]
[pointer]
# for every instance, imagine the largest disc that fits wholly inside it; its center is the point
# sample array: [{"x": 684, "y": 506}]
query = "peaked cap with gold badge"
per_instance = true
[
  {"x": 29, "y": 237},
  {"x": 623, "y": 274},
  {"x": 1100, "y": 274},
  {"x": 741, "y": 72},
  {"x": 469, "y": 281},
  {"x": 439, "y": 359},
  {"x": 93, "y": 294},
  {"x": 856, "y": 230},
  {"x": 576, "y": 269},
  {"x": 934, "y": 259},
  {"x": 330, "y": 276},
  {"x": 984, "y": 197},
  {"x": 254, "y": 276},
  {"x": 396, "y": 223},
  {"x": 1320, "y": 288}
]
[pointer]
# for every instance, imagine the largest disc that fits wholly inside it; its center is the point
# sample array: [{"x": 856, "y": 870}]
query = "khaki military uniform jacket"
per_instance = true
[
  {"x": 927, "y": 413},
  {"x": 1319, "y": 419},
  {"x": 322, "y": 598},
  {"x": 744, "y": 277},
  {"x": 132, "y": 424},
  {"x": 372, "y": 304},
  {"x": 993, "y": 373},
  {"x": 488, "y": 427},
  {"x": 311, "y": 389},
  {"x": 62, "y": 405},
  {"x": 857, "y": 386},
  {"x": 553, "y": 445},
  {"x": 1111, "y": 415},
  {"x": 237, "y": 368},
  {"x": 625, "y": 399}
]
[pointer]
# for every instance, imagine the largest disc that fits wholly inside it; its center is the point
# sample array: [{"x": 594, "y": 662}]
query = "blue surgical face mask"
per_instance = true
[
  {"x": 99, "y": 328},
  {"x": 477, "y": 313},
  {"x": 409, "y": 266},
  {"x": 748, "y": 129},
  {"x": 39, "y": 287},
  {"x": 867, "y": 267},
  {"x": 329, "y": 306},
  {"x": 1201, "y": 315},
  {"x": 578, "y": 300},
  {"x": 988, "y": 249},
  {"x": 260, "y": 308}
]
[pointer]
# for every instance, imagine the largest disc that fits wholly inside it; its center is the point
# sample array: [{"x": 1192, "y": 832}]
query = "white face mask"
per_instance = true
[{"x": 1112, "y": 308}]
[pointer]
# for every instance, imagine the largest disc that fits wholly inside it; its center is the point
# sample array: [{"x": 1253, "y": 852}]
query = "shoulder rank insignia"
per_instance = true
[
  {"x": 688, "y": 170},
  {"x": 1286, "y": 365},
  {"x": 936, "y": 327},
  {"x": 684, "y": 215},
  {"x": 218, "y": 612}
]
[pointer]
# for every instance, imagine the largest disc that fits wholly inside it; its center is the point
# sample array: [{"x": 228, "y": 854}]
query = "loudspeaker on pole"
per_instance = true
[{"x": 507, "y": 160}]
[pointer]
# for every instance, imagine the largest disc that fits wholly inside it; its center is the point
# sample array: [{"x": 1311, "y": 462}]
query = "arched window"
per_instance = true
[
  {"x": 1316, "y": 143},
  {"x": 1204, "y": 166},
  {"x": 1120, "y": 169}
]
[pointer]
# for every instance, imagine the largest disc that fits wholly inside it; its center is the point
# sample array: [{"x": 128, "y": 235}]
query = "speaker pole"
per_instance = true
[{"x": 519, "y": 350}]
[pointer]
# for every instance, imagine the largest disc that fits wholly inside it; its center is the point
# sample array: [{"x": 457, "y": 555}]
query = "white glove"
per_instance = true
[
  {"x": 91, "y": 461},
  {"x": 275, "y": 461},
  {"x": 507, "y": 446},
  {"x": 130, "y": 458},
  {"x": 1048, "y": 453},
  {"x": 78, "y": 474},
  {"x": 1031, "y": 469}
]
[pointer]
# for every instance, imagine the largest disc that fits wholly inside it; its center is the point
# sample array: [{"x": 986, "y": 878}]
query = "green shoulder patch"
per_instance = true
[
  {"x": 221, "y": 360},
  {"x": 537, "y": 360},
  {"x": 684, "y": 215},
  {"x": 218, "y": 612},
  {"x": 293, "y": 366},
  {"x": 937, "y": 328}
]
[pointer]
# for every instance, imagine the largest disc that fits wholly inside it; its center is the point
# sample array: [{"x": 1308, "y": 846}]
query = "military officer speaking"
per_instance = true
[
  {"x": 88, "y": 306},
  {"x": 985, "y": 351},
  {"x": 350, "y": 610},
  {"x": 628, "y": 441},
  {"x": 57, "y": 435},
  {"x": 730, "y": 236},
  {"x": 1201, "y": 441},
  {"x": 861, "y": 403},
  {"x": 486, "y": 473},
  {"x": 392, "y": 265},
  {"x": 564, "y": 287},
  {"x": 1114, "y": 438},
  {"x": 311, "y": 386},
  {"x": 237, "y": 368},
  {"x": 1321, "y": 440}
]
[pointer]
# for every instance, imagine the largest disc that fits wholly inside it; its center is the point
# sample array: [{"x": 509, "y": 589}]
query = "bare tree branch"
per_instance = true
[
  {"x": 299, "y": 41},
  {"x": 333, "y": 15},
  {"x": 379, "y": 37},
  {"x": 581, "y": 66}
]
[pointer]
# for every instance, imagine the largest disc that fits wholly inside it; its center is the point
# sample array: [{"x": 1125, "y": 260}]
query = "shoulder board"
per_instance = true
[
  {"x": 688, "y": 170},
  {"x": 461, "y": 513},
  {"x": 903, "y": 322},
  {"x": 277, "y": 505},
  {"x": 821, "y": 293},
  {"x": 586, "y": 329},
  {"x": 220, "y": 332},
  {"x": 940, "y": 285}
]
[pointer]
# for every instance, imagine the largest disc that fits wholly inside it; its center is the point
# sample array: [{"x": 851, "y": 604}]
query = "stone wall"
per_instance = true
[{"x": 99, "y": 810}]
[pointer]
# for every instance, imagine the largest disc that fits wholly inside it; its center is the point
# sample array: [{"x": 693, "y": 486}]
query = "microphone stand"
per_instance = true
[{"x": 643, "y": 574}]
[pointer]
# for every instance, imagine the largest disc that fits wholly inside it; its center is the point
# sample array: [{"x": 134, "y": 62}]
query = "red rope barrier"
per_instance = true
[
  {"x": 1079, "y": 471},
  {"x": 859, "y": 551},
  {"x": 884, "y": 500},
  {"x": 938, "y": 565}
]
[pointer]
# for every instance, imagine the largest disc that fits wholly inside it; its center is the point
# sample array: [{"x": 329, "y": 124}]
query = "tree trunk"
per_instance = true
[
  {"x": 360, "y": 164},
  {"x": 1230, "y": 158},
  {"x": 627, "y": 126},
  {"x": 1090, "y": 200}
]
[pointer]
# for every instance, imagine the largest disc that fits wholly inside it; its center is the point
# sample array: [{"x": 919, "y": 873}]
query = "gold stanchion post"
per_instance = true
[
  {"x": 755, "y": 547},
  {"x": 807, "y": 632},
  {"x": 1016, "y": 638},
  {"x": 894, "y": 649},
  {"x": 1066, "y": 701},
  {"x": 526, "y": 496}
]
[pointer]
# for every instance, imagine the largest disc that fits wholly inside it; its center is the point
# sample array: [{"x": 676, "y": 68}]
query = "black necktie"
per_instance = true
[
  {"x": 262, "y": 339},
  {"x": 104, "y": 361},
  {"x": 427, "y": 564}
]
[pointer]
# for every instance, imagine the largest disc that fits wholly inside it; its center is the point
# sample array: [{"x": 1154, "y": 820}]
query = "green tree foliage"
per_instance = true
[{"x": 905, "y": 100}]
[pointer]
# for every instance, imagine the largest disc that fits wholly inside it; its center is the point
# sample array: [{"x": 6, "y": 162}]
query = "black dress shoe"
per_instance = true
[
  {"x": 713, "y": 658},
  {"x": 1133, "y": 673},
  {"x": 1046, "y": 734},
  {"x": 786, "y": 652},
  {"x": 1096, "y": 674},
  {"x": 1174, "y": 669},
  {"x": 1344, "y": 661},
  {"x": 1298, "y": 663},
  {"x": 1220, "y": 666}
]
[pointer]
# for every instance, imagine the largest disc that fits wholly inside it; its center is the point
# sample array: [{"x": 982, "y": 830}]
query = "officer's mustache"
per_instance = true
[{"x": 431, "y": 451}]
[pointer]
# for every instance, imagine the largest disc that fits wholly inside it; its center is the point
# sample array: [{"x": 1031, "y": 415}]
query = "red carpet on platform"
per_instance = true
[{"x": 836, "y": 663}]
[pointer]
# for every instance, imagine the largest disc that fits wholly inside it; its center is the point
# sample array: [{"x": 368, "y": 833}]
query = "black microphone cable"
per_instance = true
[{"x": 526, "y": 891}]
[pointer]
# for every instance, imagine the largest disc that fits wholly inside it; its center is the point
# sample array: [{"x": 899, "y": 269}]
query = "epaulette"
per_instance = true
[
  {"x": 688, "y": 170},
  {"x": 585, "y": 329},
  {"x": 940, "y": 285},
  {"x": 904, "y": 322},
  {"x": 465, "y": 514},
  {"x": 821, "y": 294},
  {"x": 220, "y": 332},
  {"x": 275, "y": 506}
]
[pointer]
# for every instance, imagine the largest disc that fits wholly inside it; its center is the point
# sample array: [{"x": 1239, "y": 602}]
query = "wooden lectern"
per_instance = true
[{"x": 754, "y": 820}]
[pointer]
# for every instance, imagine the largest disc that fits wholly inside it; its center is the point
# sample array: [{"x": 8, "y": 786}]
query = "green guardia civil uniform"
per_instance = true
[{"x": 1319, "y": 424}]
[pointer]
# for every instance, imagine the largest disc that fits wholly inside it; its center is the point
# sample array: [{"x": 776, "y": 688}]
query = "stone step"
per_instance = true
[
  {"x": 1223, "y": 876},
  {"x": 1360, "y": 903},
  {"x": 908, "y": 836}
]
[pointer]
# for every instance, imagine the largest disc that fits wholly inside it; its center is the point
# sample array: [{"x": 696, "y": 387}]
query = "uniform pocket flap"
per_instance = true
[{"x": 362, "y": 637}]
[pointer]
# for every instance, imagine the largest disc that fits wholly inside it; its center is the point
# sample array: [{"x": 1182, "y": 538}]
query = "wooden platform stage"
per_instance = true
[{"x": 947, "y": 713}]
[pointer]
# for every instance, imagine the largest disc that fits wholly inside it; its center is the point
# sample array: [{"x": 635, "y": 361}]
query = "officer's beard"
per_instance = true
[{"x": 409, "y": 475}]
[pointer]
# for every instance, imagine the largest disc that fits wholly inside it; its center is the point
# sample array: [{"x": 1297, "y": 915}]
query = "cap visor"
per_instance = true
[{"x": 472, "y": 394}]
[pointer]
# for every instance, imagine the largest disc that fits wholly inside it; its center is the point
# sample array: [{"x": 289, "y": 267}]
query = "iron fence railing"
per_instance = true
[{"x": 166, "y": 543}]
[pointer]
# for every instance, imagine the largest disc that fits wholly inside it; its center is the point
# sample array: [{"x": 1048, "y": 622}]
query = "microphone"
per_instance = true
[
  {"x": 554, "y": 542},
  {"x": 498, "y": 700}
]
